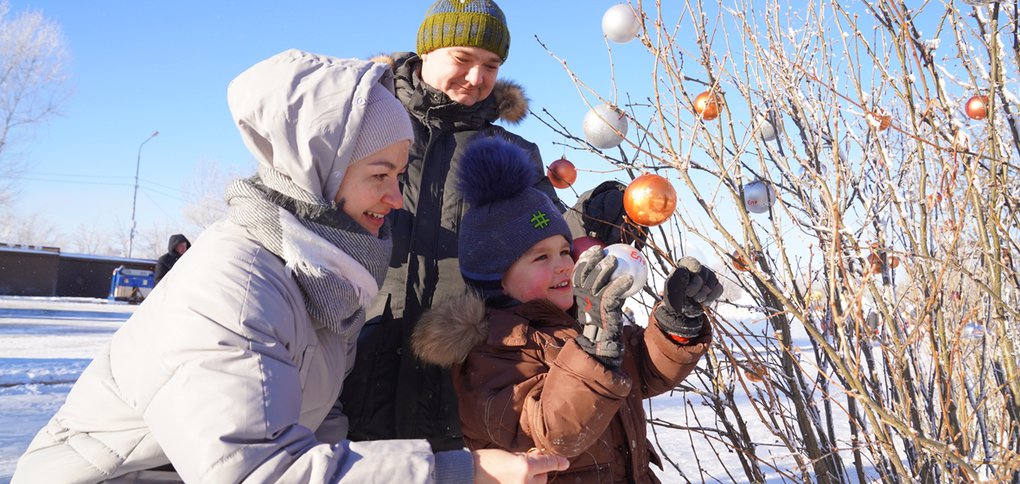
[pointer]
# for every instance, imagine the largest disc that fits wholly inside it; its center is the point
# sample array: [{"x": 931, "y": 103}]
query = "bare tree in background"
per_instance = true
[
  {"x": 91, "y": 239},
  {"x": 152, "y": 241},
  {"x": 204, "y": 192},
  {"x": 30, "y": 229},
  {"x": 33, "y": 55}
]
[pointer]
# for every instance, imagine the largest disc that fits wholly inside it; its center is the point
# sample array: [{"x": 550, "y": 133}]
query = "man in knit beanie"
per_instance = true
[
  {"x": 462, "y": 44},
  {"x": 450, "y": 89}
]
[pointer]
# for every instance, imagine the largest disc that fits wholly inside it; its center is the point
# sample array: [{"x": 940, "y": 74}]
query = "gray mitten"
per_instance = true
[
  {"x": 689, "y": 289},
  {"x": 600, "y": 304}
]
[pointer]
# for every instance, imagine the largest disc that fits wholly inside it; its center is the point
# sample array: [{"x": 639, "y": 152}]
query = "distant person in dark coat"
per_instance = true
[{"x": 177, "y": 246}]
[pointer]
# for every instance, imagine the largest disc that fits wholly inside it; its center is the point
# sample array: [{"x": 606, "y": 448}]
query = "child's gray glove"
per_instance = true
[
  {"x": 689, "y": 289},
  {"x": 600, "y": 304}
]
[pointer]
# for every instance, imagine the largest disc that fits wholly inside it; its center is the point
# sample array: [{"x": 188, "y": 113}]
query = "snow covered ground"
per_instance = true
[{"x": 45, "y": 343}]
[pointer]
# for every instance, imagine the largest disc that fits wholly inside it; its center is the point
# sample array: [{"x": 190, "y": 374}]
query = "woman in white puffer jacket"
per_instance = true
[{"x": 228, "y": 370}]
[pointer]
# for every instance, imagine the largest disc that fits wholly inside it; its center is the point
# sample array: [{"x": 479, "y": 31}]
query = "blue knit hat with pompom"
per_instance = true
[{"x": 507, "y": 216}]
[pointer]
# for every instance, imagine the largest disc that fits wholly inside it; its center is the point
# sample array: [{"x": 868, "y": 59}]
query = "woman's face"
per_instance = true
[
  {"x": 370, "y": 189},
  {"x": 543, "y": 272}
]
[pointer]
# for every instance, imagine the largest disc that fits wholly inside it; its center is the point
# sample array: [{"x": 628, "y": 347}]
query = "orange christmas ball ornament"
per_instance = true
[
  {"x": 562, "y": 173},
  {"x": 874, "y": 258},
  {"x": 879, "y": 120},
  {"x": 977, "y": 107},
  {"x": 707, "y": 105},
  {"x": 740, "y": 262},
  {"x": 875, "y": 261},
  {"x": 649, "y": 200},
  {"x": 755, "y": 372}
]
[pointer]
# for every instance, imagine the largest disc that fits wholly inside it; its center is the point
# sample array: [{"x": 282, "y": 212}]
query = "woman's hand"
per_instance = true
[{"x": 500, "y": 466}]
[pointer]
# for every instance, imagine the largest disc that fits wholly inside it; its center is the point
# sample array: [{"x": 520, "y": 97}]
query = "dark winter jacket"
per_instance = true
[
  {"x": 523, "y": 382},
  {"x": 390, "y": 394},
  {"x": 167, "y": 261}
]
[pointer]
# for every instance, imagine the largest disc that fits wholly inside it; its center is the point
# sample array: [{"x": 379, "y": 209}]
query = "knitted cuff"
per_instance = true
[
  {"x": 678, "y": 327},
  {"x": 454, "y": 467}
]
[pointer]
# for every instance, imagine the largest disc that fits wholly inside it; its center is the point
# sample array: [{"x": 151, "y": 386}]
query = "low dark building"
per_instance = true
[
  {"x": 28, "y": 270},
  {"x": 45, "y": 271}
]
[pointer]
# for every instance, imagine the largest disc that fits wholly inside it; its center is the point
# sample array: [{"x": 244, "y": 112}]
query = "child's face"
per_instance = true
[
  {"x": 543, "y": 272},
  {"x": 370, "y": 189}
]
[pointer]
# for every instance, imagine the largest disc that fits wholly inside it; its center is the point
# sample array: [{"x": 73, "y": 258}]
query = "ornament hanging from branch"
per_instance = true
[
  {"x": 562, "y": 173},
  {"x": 759, "y": 196},
  {"x": 741, "y": 263},
  {"x": 879, "y": 119},
  {"x": 620, "y": 24},
  {"x": 770, "y": 125},
  {"x": 977, "y": 107},
  {"x": 649, "y": 200},
  {"x": 605, "y": 126},
  {"x": 707, "y": 105},
  {"x": 582, "y": 244}
]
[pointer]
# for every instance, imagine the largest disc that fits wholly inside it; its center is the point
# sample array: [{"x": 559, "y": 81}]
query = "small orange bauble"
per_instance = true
[
  {"x": 707, "y": 105},
  {"x": 562, "y": 173},
  {"x": 876, "y": 263},
  {"x": 649, "y": 200},
  {"x": 740, "y": 262},
  {"x": 879, "y": 120},
  {"x": 755, "y": 372},
  {"x": 977, "y": 107},
  {"x": 875, "y": 258}
]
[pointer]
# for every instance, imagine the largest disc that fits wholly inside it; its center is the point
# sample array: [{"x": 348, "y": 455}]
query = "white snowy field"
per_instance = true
[{"x": 45, "y": 343}]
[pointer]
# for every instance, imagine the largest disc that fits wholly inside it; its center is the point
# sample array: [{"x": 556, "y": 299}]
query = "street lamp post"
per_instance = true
[{"x": 134, "y": 199}]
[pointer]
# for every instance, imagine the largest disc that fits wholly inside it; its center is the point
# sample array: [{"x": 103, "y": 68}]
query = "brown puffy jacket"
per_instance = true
[{"x": 523, "y": 382}]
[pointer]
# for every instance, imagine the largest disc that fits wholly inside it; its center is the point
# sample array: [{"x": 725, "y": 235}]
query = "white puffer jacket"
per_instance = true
[{"x": 221, "y": 371}]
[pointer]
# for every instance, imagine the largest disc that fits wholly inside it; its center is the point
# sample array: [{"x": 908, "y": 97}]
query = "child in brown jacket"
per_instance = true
[{"x": 526, "y": 375}]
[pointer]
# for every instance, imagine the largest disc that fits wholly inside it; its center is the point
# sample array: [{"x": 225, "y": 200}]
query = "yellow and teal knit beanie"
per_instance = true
[{"x": 464, "y": 23}]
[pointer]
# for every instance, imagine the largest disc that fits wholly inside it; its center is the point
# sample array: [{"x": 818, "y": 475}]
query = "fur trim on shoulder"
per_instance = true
[
  {"x": 446, "y": 333},
  {"x": 512, "y": 102},
  {"x": 387, "y": 59}
]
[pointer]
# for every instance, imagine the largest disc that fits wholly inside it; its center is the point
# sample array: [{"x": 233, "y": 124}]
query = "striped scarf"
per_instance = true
[{"x": 338, "y": 265}]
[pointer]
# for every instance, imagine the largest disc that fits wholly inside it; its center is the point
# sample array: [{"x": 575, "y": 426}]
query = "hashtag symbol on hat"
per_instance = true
[{"x": 539, "y": 220}]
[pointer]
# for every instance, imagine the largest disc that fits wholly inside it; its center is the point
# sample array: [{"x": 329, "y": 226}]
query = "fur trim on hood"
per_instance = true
[
  {"x": 510, "y": 98},
  {"x": 446, "y": 333}
]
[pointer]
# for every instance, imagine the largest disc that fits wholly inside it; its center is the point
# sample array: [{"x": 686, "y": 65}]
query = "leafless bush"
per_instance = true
[{"x": 891, "y": 245}]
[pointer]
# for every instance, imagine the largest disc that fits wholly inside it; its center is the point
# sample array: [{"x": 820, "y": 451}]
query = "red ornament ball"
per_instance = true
[
  {"x": 582, "y": 244},
  {"x": 649, "y": 200},
  {"x": 562, "y": 173},
  {"x": 977, "y": 107}
]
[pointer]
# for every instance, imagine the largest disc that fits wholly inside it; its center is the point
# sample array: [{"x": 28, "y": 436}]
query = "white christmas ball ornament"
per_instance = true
[
  {"x": 770, "y": 126},
  {"x": 605, "y": 126},
  {"x": 629, "y": 262},
  {"x": 759, "y": 196},
  {"x": 973, "y": 330},
  {"x": 620, "y": 24}
]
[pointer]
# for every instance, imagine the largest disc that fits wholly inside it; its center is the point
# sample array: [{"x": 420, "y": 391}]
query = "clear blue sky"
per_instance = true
[{"x": 141, "y": 66}]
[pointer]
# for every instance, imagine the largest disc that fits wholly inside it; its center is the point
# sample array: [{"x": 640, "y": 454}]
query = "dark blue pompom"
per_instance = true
[{"x": 494, "y": 169}]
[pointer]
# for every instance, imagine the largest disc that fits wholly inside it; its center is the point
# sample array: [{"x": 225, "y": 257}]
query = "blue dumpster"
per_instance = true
[{"x": 131, "y": 285}]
